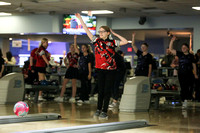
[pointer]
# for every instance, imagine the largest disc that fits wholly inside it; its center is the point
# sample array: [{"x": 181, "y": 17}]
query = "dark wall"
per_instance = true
[
  {"x": 178, "y": 43},
  {"x": 156, "y": 46}
]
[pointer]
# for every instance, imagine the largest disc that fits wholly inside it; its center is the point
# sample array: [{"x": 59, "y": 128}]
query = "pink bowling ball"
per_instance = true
[{"x": 21, "y": 109}]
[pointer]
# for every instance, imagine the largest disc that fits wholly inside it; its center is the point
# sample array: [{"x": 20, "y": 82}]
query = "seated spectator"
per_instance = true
[
  {"x": 167, "y": 59},
  {"x": 10, "y": 60}
]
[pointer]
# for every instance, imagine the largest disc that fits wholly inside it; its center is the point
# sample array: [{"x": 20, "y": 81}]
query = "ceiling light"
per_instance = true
[
  {"x": 5, "y": 14},
  {"x": 21, "y": 33},
  {"x": 129, "y": 41},
  {"x": 98, "y": 12},
  {"x": 196, "y": 8},
  {"x": 10, "y": 38},
  {"x": 4, "y": 3}
]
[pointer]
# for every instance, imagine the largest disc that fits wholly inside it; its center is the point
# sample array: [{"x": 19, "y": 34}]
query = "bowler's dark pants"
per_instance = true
[
  {"x": 197, "y": 89},
  {"x": 106, "y": 79},
  {"x": 84, "y": 91},
  {"x": 119, "y": 76},
  {"x": 186, "y": 81}
]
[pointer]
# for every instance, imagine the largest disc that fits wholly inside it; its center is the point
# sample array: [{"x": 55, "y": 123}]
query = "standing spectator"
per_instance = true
[
  {"x": 197, "y": 81},
  {"x": 167, "y": 59},
  {"x": 105, "y": 64},
  {"x": 92, "y": 59},
  {"x": 32, "y": 71},
  {"x": 85, "y": 72},
  {"x": 1, "y": 64},
  {"x": 144, "y": 61},
  {"x": 175, "y": 64},
  {"x": 186, "y": 72},
  {"x": 155, "y": 63},
  {"x": 71, "y": 73},
  {"x": 43, "y": 57}
]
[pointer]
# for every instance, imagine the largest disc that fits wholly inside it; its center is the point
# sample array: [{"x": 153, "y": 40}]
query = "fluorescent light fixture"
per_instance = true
[
  {"x": 4, "y": 3},
  {"x": 196, "y": 8},
  {"x": 5, "y": 14},
  {"x": 98, "y": 12}
]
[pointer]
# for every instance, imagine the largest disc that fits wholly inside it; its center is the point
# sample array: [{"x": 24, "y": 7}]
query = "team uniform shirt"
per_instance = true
[
  {"x": 34, "y": 56},
  {"x": 40, "y": 61},
  {"x": 104, "y": 53},
  {"x": 1, "y": 63},
  {"x": 83, "y": 63},
  {"x": 73, "y": 59},
  {"x": 185, "y": 62},
  {"x": 92, "y": 59},
  {"x": 143, "y": 63}
]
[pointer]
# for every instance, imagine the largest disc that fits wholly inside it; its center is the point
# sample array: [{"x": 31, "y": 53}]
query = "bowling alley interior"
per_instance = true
[{"x": 104, "y": 66}]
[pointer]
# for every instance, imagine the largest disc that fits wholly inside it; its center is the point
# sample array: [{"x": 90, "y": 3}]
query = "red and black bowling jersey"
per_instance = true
[
  {"x": 104, "y": 53},
  {"x": 73, "y": 59},
  {"x": 40, "y": 61},
  {"x": 34, "y": 56}
]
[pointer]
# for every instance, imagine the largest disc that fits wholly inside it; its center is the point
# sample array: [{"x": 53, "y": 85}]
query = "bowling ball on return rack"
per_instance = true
[
  {"x": 44, "y": 82},
  {"x": 54, "y": 82}
]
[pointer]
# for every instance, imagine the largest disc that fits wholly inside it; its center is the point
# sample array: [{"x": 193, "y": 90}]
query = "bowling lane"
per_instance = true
[
  {"x": 72, "y": 115},
  {"x": 166, "y": 119}
]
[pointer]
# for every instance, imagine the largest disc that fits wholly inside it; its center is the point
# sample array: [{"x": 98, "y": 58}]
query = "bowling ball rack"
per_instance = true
[{"x": 37, "y": 88}]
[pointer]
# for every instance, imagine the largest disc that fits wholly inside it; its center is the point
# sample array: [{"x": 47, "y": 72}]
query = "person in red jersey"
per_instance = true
[
  {"x": 105, "y": 64},
  {"x": 32, "y": 72},
  {"x": 43, "y": 57},
  {"x": 71, "y": 73}
]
